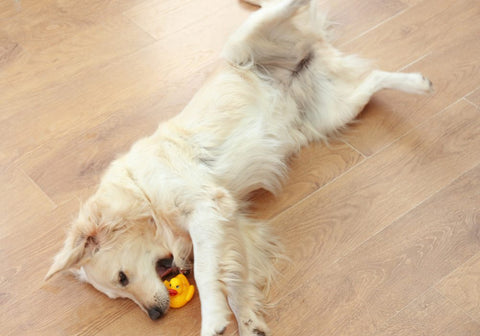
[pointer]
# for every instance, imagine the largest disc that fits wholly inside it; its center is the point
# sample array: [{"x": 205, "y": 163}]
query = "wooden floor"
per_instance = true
[{"x": 382, "y": 226}]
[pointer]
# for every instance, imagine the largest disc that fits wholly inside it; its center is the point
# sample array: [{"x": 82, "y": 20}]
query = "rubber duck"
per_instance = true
[{"x": 180, "y": 291}]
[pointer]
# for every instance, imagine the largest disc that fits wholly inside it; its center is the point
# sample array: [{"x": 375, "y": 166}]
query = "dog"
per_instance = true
[{"x": 180, "y": 193}]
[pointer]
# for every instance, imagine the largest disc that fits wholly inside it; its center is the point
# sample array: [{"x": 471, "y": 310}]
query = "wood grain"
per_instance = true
[
  {"x": 381, "y": 227},
  {"x": 463, "y": 286},
  {"x": 355, "y": 17},
  {"x": 412, "y": 2},
  {"x": 18, "y": 190},
  {"x": 409, "y": 36},
  {"x": 430, "y": 314},
  {"x": 345, "y": 213},
  {"x": 391, "y": 115},
  {"x": 370, "y": 284},
  {"x": 49, "y": 64},
  {"x": 162, "y": 18}
]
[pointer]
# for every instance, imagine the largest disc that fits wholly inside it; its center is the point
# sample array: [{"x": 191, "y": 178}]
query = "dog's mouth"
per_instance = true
[{"x": 166, "y": 269}]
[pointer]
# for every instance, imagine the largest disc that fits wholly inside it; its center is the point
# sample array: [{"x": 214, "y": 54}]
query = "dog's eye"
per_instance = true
[{"x": 122, "y": 278}]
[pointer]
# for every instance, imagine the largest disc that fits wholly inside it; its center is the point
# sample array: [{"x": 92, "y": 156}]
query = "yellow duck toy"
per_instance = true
[{"x": 180, "y": 291}]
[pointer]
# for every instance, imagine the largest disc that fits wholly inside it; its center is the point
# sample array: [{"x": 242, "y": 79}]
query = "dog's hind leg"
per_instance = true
[
  {"x": 351, "y": 102},
  {"x": 378, "y": 80},
  {"x": 267, "y": 38}
]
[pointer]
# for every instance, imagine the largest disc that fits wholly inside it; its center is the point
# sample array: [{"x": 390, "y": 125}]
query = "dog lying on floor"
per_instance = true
[{"x": 181, "y": 192}]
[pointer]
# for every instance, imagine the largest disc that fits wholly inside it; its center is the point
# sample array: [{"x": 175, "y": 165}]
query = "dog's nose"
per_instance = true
[{"x": 155, "y": 313}]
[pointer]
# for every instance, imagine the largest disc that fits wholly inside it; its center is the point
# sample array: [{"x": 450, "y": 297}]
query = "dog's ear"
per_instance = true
[
  {"x": 78, "y": 247},
  {"x": 82, "y": 241}
]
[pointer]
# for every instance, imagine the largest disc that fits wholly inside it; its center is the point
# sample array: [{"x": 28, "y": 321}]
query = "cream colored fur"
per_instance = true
[{"x": 181, "y": 191}]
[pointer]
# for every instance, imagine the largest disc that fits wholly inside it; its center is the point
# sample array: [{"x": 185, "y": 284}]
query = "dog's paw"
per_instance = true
[
  {"x": 254, "y": 327},
  {"x": 217, "y": 332},
  {"x": 421, "y": 84},
  {"x": 259, "y": 332},
  {"x": 214, "y": 329}
]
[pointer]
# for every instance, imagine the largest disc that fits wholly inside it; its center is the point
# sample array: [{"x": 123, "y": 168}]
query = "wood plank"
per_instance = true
[
  {"x": 373, "y": 282},
  {"x": 9, "y": 50},
  {"x": 392, "y": 114},
  {"x": 352, "y": 18},
  {"x": 32, "y": 8},
  {"x": 161, "y": 18},
  {"x": 89, "y": 10},
  {"x": 433, "y": 315},
  {"x": 36, "y": 68},
  {"x": 474, "y": 97},
  {"x": 409, "y": 36},
  {"x": 97, "y": 10},
  {"x": 80, "y": 46},
  {"x": 412, "y": 2},
  {"x": 37, "y": 25},
  {"x": 463, "y": 287},
  {"x": 18, "y": 190}
]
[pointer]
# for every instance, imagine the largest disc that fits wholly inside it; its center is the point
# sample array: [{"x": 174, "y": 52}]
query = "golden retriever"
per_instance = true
[{"x": 181, "y": 192}]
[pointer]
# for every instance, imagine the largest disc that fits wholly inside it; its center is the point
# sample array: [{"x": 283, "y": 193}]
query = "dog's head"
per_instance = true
[{"x": 116, "y": 245}]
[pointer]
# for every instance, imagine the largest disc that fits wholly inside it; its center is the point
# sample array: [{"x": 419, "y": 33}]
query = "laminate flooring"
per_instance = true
[{"x": 382, "y": 225}]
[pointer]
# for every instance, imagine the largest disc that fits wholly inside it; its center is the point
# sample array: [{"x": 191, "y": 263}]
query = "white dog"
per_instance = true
[{"x": 180, "y": 192}]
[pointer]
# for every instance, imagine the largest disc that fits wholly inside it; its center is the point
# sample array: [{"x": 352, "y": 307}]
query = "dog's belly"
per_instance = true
[
  {"x": 246, "y": 128},
  {"x": 254, "y": 160}
]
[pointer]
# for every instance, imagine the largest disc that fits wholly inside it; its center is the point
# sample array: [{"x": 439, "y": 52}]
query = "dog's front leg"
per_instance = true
[{"x": 206, "y": 227}]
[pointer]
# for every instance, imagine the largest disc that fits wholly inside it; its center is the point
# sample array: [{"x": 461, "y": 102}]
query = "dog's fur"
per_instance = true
[{"x": 180, "y": 192}]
